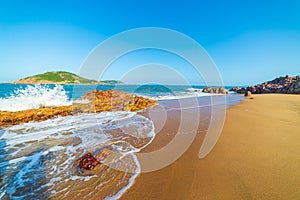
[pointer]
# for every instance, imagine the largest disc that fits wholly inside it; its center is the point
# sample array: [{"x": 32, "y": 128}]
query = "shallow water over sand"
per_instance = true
[{"x": 38, "y": 160}]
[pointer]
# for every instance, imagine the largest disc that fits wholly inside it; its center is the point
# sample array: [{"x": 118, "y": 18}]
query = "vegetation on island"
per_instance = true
[{"x": 61, "y": 77}]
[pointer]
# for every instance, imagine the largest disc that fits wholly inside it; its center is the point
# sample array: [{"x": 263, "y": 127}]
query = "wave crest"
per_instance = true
[{"x": 33, "y": 97}]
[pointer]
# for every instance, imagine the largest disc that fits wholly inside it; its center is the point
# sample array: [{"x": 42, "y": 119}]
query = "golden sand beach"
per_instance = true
[{"x": 256, "y": 157}]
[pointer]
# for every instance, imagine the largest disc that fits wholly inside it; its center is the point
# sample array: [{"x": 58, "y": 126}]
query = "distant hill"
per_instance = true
[
  {"x": 59, "y": 77},
  {"x": 112, "y": 82}
]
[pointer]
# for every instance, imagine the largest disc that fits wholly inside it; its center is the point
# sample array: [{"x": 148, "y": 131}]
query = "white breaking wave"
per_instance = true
[
  {"x": 181, "y": 95},
  {"x": 33, "y": 97},
  {"x": 194, "y": 89}
]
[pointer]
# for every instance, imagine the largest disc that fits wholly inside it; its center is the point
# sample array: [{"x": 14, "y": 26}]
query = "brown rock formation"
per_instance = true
[
  {"x": 20, "y": 117},
  {"x": 215, "y": 90},
  {"x": 248, "y": 93},
  {"x": 89, "y": 161},
  {"x": 285, "y": 85},
  {"x": 99, "y": 101}
]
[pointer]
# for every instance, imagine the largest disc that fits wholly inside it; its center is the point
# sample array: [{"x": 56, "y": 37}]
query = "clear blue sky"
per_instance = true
[{"x": 250, "y": 41}]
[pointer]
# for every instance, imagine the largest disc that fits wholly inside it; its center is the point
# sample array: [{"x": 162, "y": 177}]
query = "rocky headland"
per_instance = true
[
  {"x": 283, "y": 85},
  {"x": 93, "y": 102}
]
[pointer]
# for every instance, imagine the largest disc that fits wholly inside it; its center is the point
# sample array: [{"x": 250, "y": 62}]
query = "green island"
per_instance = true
[{"x": 61, "y": 77}]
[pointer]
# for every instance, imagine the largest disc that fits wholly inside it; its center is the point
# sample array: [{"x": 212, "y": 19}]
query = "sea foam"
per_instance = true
[
  {"x": 39, "y": 157},
  {"x": 33, "y": 97}
]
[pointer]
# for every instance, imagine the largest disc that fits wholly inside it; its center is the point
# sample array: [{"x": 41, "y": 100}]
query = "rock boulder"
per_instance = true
[{"x": 219, "y": 90}]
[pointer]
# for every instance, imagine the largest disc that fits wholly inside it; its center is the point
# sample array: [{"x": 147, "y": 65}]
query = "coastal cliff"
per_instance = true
[{"x": 283, "y": 85}]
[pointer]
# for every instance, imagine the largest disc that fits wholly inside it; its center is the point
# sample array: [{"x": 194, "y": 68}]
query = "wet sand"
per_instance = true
[{"x": 256, "y": 157}]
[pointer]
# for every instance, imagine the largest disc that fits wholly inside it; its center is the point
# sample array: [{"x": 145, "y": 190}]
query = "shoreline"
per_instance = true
[
  {"x": 256, "y": 158},
  {"x": 238, "y": 167},
  {"x": 97, "y": 101}
]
